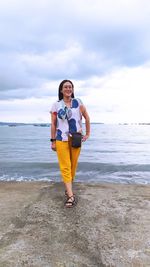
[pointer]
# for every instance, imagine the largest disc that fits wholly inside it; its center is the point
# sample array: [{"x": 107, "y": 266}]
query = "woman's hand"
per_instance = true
[
  {"x": 53, "y": 146},
  {"x": 85, "y": 137}
]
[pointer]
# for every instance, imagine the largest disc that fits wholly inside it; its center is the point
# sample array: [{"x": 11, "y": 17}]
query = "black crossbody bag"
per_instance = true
[{"x": 76, "y": 140}]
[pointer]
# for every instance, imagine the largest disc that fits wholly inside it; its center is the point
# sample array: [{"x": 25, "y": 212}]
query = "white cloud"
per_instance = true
[
  {"x": 120, "y": 96},
  {"x": 26, "y": 110},
  {"x": 103, "y": 46}
]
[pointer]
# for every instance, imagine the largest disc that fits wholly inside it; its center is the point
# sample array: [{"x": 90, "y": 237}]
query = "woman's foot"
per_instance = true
[
  {"x": 70, "y": 202},
  {"x": 66, "y": 194}
]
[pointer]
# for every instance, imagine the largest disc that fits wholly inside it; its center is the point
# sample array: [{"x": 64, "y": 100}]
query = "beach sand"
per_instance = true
[{"x": 110, "y": 226}]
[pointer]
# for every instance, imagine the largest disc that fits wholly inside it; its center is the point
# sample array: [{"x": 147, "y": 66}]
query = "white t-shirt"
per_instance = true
[{"x": 69, "y": 120}]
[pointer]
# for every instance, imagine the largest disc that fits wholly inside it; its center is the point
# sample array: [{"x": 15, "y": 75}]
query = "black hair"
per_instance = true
[{"x": 60, "y": 94}]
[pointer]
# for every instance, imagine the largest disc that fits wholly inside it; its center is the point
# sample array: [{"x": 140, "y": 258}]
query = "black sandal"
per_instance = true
[
  {"x": 70, "y": 202},
  {"x": 66, "y": 194}
]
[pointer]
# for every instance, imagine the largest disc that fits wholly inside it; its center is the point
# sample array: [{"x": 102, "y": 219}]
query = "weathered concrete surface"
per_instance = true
[{"x": 110, "y": 226}]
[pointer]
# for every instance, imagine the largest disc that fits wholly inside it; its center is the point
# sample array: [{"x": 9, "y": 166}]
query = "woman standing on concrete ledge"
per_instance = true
[{"x": 66, "y": 121}]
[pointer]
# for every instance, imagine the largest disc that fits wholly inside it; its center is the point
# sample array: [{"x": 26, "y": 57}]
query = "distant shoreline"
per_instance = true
[
  {"x": 11, "y": 124},
  {"x": 14, "y": 124}
]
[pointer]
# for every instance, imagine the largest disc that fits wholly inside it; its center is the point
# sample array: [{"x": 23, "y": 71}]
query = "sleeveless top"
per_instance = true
[{"x": 69, "y": 120}]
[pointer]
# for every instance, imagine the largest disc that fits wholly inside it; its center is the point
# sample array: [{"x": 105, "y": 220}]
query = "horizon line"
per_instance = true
[{"x": 48, "y": 123}]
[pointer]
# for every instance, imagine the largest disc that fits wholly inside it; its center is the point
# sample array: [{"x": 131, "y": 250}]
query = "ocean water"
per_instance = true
[{"x": 114, "y": 153}]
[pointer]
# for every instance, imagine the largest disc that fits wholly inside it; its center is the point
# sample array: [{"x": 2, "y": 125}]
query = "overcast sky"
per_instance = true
[{"x": 102, "y": 46}]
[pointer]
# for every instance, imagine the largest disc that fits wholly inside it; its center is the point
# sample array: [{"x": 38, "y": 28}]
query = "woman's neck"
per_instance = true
[{"x": 67, "y": 99}]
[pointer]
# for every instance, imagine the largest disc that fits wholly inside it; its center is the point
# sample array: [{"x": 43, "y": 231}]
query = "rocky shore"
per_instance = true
[{"x": 110, "y": 226}]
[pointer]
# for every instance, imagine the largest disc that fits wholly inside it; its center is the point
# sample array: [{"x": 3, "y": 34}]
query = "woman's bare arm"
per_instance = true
[
  {"x": 87, "y": 122},
  {"x": 53, "y": 129}
]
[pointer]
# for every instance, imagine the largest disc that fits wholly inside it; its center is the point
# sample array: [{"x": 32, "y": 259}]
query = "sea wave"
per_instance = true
[
  {"x": 85, "y": 166},
  {"x": 89, "y": 172}
]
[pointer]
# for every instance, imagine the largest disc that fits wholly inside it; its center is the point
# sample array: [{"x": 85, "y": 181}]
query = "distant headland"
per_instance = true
[{"x": 14, "y": 124}]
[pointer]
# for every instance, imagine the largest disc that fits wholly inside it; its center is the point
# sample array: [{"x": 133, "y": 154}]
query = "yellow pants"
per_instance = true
[{"x": 68, "y": 159}]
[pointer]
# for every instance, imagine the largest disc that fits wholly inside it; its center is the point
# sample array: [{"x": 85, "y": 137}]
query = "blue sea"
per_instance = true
[{"x": 113, "y": 153}]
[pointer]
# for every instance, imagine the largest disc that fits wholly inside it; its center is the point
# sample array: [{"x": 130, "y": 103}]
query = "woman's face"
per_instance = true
[{"x": 67, "y": 89}]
